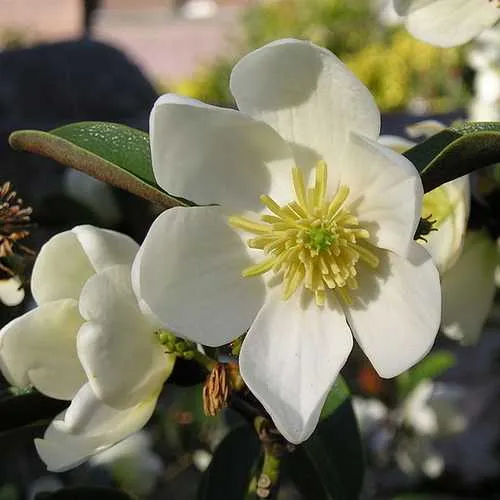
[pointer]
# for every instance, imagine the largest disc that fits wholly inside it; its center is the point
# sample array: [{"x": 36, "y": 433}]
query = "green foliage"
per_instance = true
[
  {"x": 396, "y": 68},
  {"x": 330, "y": 464},
  {"x": 113, "y": 153},
  {"x": 342, "y": 26},
  {"x": 430, "y": 367},
  {"x": 27, "y": 408},
  {"x": 400, "y": 70},
  {"x": 455, "y": 152},
  {"x": 337, "y": 395},
  {"x": 229, "y": 472}
]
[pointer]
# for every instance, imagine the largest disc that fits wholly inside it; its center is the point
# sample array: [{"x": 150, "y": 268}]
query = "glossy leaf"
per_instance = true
[
  {"x": 116, "y": 154},
  {"x": 337, "y": 395},
  {"x": 330, "y": 464},
  {"x": 229, "y": 472},
  {"x": 455, "y": 152},
  {"x": 27, "y": 408}
]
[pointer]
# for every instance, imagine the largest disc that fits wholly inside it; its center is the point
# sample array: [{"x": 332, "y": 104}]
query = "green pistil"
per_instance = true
[{"x": 320, "y": 238}]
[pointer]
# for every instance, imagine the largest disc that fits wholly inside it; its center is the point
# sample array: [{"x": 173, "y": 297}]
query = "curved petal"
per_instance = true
[
  {"x": 290, "y": 358},
  {"x": 118, "y": 335},
  {"x": 307, "y": 95},
  {"x": 68, "y": 260},
  {"x": 62, "y": 449},
  {"x": 450, "y": 22},
  {"x": 448, "y": 205},
  {"x": 469, "y": 287},
  {"x": 397, "y": 310},
  {"x": 214, "y": 155},
  {"x": 385, "y": 193},
  {"x": 105, "y": 248},
  {"x": 188, "y": 274},
  {"x": 39, "y": 348}
]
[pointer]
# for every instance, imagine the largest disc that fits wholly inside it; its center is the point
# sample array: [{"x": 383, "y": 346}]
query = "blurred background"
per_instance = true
[{"x": 64, "y": 61}]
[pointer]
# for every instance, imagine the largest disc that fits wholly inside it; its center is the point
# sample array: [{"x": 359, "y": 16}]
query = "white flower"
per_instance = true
[
  {"x": 312, "y": 242},
  {"x": 87, "y": 341},
  {"x": 132, "y": 463},
  {"x": 447, "y": 205},
  {"x": 447, "y": 22},
  {"x": 469, "y": 288},
  {"x": 466, "y": 260}
]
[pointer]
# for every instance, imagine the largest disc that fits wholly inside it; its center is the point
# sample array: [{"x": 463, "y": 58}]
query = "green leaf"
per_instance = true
[
  {"x": 430, "y": 367},
  {"x": 337, "y": 395},
  {"x": 229, "y": 472},
  {"x": 19, "y": 410},
  {"x": 116, "y": 154},
  {"x": 330, "y": 464},
  {"x": 455, "y": 152},
  {"x": 85, "y": 493}
]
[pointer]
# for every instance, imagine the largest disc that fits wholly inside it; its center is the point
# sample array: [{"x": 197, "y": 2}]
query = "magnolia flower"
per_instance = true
[
  {"x": 466, "y": 260},
  {"x": 447, "y": 22},
  {"x": 447, "y": 205},
  {"x": 312, "y": 242},
  {"x": 87, "y": 342},
  {"x": 469, "y": 288}
]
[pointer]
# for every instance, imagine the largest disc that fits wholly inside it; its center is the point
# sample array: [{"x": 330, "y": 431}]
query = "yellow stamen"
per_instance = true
[{"x": 314, "y": 242}]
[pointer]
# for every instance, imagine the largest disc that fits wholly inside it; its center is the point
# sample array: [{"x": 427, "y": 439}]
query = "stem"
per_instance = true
[
  {"x": 268, "y": 482},
  {"x": 203, "y": 360},
  {"x": 265, "y": 482}
]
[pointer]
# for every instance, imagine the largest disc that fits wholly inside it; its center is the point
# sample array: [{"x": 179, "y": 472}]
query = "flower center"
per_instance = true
[
  {"x": 437, "y": 205},
  {"x": 314, "y": 241}
]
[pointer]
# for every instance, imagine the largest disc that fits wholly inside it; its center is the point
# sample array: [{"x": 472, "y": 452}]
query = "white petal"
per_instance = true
[
  {"x": 106, "y": 248},
  {"x": 445, "y": 244},
  {"x": 290, "y": 358},
  {"x": 397, "y": 310},
  {"x": 469, "y": 287},
  {"x": 118, "y": 347},
  {"x": 385, "y": 193},
  {"x": 11, "y": 291},
  {"x": 450, "y": 22},
  {"x": 188, "y": 274},
  {"x": 39, "y": 348},
  {"x": 62, "y": 449},
  {"x": 213, "y": 155},
  {"x": 307, "y": 95},
  {"x": 68, "y": 260}
]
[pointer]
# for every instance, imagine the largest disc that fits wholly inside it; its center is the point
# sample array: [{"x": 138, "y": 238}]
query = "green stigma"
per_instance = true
[{"x": 320, "y": 239}]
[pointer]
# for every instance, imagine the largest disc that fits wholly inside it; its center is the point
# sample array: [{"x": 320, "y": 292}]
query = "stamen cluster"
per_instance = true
[{"x": 313, "y": 241}]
